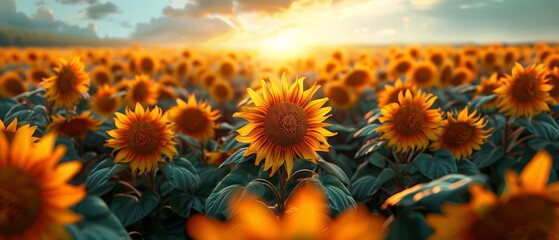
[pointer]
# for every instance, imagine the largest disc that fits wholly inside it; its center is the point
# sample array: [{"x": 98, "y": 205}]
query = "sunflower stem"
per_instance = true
[
  {"x": 270, "y": 186},
  {"x": 282, "y": 172}
]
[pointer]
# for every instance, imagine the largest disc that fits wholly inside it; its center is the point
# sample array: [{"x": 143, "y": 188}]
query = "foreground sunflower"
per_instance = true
[
  {"x": 306, "y": 217},
  {"x": 284, "y": 124},
  {"x": 34, "y": 193},
  {"x": 410, "y": 123},
  {"x": 525, "y": 92},
  {"x": 141, "y": 136},
  {"x": 528, "y": 209},
  {"x": 463, "y": 134},
  {"x": 76, "y": 126},
  {"x": 194, "y": 119},
  {"x": 69, "y": 83},
  {"x": 10, "y": 130}
]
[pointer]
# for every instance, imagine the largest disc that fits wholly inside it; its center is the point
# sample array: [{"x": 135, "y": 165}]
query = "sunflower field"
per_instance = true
[{"x": 396, "y": 142}]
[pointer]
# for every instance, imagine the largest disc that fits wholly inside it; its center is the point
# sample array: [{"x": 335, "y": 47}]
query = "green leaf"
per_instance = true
[
  {"x": 487, "y": 156},
  {"x": 478, "y": 101},
  {"x": 182, "y": 203},
  {"x": 101, "y": 180},
  {"x": 467, "y": 168},
  {"x": 434, "y": 167},
  {"x": 367, "y": 131},
  {"x": 377, "y": 160},
  {"x": 545, "y": 126},
  {"x": 218, "y": 201},
  {"x": 409, "y": 225},
  {"x": 181, "y": 174},
  {"x": 237, "y": 157},
  {"x": 365, "y": 187},
  {"x": 334, "y": 170},
  {"x": 129, "y": 209},
  {"x": 98, "y": 222},
  {"x": 339, "y": 197}
]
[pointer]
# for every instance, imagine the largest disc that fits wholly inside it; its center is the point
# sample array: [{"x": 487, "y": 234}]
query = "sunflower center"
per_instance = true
[
  {"x": 446, "y": 74},
  {"x": 143, "y": 137},
  {"x": 221, "y": 91},
  {"x": 181, "y": 70},
  {"x": 209, "y": 80},
  {"x": 423, "y": 75},
  {"x": 403, "y": 67},
  {"x": 38, "y": 75},
  {"x": 339, "y": 95},
  {"x": 140, "y": 92},
  {"x": 20, "y": 201},
  {"x": 102, "y": 78},
  {"x": 509, "y": 58},
  {"x": 437, "y": 59},
  {"x": 105, "y": 104},
  {"x": 192, "y": 120},
  {"x": 14, "y": 86},
  {"x": 458, "y": 79},
  {"x": 525, "y": 88},
  {"x": 226, "y": 69},
  {"x": 67, "y": 80},
  {"x": 489, "y": 58},
  {"x": 286, "y": 124},
  {"x": 458, "y": 133},
  {"x": 505, "y": 221},
  {"x": 75, "y": 127},
  {"x": 147, "y": 64},
  {"x": 409, "y": 120},
  {"x": 357, "y": 78}
]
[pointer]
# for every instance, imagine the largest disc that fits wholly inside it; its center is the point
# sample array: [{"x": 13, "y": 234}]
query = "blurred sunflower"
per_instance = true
[
  {"x": 525, "y": 93},
  {"x": 306, "y": 217},
  {"x": 487, "y": 87},
  {"x": 104, "y": 102},
  {"x": 526, "y": 210},
  {"x": 463, "y": 134},
  {"x": 340, "y": 95},
  {"x": 400, "y": 66},
  {"x": 410, "y": 123},
  {"x": 221, "y": 91},
  {"x": 207, "y": 79},
  {"x": 436, "y": 57},
  {"x": 11, "y": 85},
  {"x": 182, "y": 69},
  {"x": 146, "y": 63},
  {"x": 197, "y": 120},
  {"x": 101, "y": 75},
  {"x": 165, "y": 93},
  {"x": 358, "y": 78},
  {"x": 68, "y": 85},
  {"x": 141, "y": 137},
  {"x": 423, "y": 75},
  {"x": 141, "y": 90},
  {"x": 10, "y": 130},
  {"x": 284, "y": 124},
  {"x": 461, "y": 76},
  {"x": 390, "y": 93},
  {"x": 552, "y": 61},
  {"x": 445, "y": 74},
  {"x": 74, "y": 126},
  {"x": 36, "y": 75},
  {"x": 227, "y": 68},
  {"x": 553, "y": 77},
  {"x": 34, "y": 193}
]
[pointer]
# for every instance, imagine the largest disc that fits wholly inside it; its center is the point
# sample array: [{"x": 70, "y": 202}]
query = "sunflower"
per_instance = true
[
  {"x": 400, "y": 66},
  {"x": 487, "y": 87},
  {"x": 11, "y": 85},
  {"x": 410, "y": 123},
  {"x": 445, "y": 74},
  {"x": 68, "y": 84},
  {"x": 390, "y": 93},
  {"x": 284, "y": 124},
  {"x": 461, "y": 76},
  {"x": 358, "y": 78},
  {"x": 146, "y": 64},
  {"x": 552, "y": 61},
  {"x": 101, "y": 75},
  {"x": 207, "y": 79},
  {"x": 526, "y": 210},
  {"x": 423, "y": 74},
  {"x": 340, "y": 95},
  {"x": 182, "y": 69},
  {"x": 525, "y": 93},
  {"x": 10, "y": 130},
  {"x": 140, "y": 137},
  {"x": 227, "y": 68},
  {"x": 75, "y": 126},
  {"x": 194, "y": 119},
  {"x": 306, "y": 217},
  {"x": 34, "y": 193},
  {"x": 222, "y": 91},
  {"x": 141, "y": 90},
  {"x": 104, "y": 103},
  {"x": 463, "y": 134},
  {"x": 36, "y": 75},
  {"x": 436, "y": 57}
]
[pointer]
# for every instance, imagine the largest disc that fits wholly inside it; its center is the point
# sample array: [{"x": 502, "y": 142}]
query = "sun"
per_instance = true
[{"x": 282, "y": 46}]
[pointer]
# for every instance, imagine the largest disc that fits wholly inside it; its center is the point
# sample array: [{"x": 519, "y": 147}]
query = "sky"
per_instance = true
[{"x": 289, "y": 22}]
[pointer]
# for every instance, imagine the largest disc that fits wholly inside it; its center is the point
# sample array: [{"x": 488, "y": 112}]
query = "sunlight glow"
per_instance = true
[{"x": 282, "y": 46}]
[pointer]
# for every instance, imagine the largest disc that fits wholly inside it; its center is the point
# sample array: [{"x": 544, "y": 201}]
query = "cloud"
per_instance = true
[
  {"x": 200, "y": 8},
  {"x": 100, "y": 10},
  {"x": 386, "y": 32},
  {"x": 269, "y": 6},
  {"x": 40, "y": 21},
  {"x": 40, "y": 2},
  {"x": 167, "y": 29}
]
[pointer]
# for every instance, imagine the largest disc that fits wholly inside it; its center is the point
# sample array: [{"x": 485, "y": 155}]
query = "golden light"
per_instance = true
[{"x": 282, "y": 46}]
